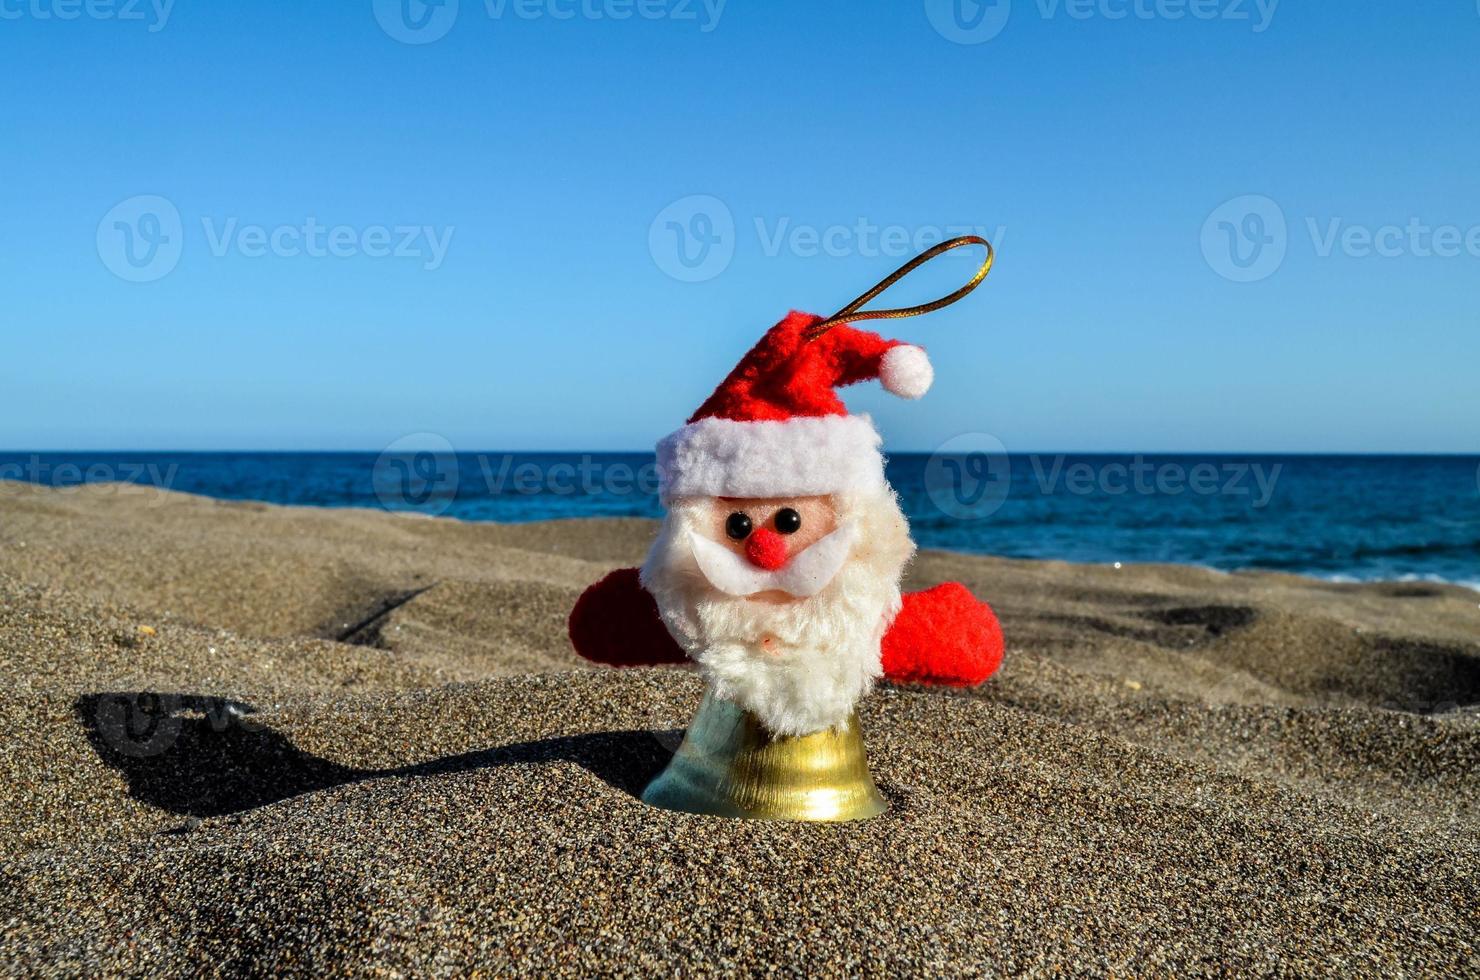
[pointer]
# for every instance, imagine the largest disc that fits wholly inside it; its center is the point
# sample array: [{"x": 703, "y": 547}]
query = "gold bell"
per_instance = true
[{"x": 730, "y": 765}]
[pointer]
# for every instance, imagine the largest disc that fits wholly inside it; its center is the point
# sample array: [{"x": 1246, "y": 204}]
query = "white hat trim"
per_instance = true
[{"x": 799, "y": 457}]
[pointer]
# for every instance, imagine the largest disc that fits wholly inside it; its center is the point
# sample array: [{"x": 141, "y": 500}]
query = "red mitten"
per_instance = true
[
  {"x": 616, "y": 622},
  {"x": 943, "y": 635}
]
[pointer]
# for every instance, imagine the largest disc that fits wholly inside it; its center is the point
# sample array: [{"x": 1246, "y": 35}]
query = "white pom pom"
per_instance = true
[{"x": 905, "y": 371}]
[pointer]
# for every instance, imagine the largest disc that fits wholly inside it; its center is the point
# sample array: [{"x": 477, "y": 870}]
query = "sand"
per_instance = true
[{"x": 250, "y": 738}]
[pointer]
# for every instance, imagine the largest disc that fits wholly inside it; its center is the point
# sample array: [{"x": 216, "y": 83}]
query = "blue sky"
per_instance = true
[{"x": 472, "y": 235}]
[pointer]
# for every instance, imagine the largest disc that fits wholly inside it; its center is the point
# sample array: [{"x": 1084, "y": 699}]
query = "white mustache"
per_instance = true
[{"x": 806, "y": 574}]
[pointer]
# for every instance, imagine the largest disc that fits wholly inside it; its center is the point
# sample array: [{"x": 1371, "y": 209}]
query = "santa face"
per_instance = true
[{"x": 782, "y": 601}]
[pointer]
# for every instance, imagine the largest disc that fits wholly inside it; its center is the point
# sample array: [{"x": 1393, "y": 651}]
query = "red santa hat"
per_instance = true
[{"x": 775, "y": 427}]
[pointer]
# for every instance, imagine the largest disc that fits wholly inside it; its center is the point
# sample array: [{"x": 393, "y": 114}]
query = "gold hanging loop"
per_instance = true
[{"x": 852, "y": 312}]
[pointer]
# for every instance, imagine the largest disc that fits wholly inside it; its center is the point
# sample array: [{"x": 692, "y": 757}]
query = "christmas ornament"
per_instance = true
[{"x": 777, "y": 572}]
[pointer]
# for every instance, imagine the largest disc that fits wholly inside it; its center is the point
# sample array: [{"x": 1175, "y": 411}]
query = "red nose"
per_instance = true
[{"x": 767, "y": 549}]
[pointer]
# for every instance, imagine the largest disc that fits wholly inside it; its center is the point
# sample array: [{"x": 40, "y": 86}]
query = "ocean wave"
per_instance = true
[
  {"x": 1343, "y": 578},
  {"x": 1418, "y": 550}
]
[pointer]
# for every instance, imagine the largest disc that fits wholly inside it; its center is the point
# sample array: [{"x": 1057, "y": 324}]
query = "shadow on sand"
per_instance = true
[{"x": 206, "y": 756}]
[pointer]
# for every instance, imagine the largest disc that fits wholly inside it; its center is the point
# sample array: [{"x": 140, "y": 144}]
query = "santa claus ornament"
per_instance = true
[{"x": 777, "y": 572}]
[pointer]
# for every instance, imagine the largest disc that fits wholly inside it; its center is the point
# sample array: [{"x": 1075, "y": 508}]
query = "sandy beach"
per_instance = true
[{"x": 252, "y": 737}]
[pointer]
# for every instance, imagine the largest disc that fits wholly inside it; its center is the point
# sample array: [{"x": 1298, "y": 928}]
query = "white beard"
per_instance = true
[
  {"x": 825, "y": 651},
  {"x": 807, "y": 574}
]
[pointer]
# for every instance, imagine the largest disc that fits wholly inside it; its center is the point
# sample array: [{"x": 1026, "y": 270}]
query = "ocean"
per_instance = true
[{"x": 1344, "y": 518}]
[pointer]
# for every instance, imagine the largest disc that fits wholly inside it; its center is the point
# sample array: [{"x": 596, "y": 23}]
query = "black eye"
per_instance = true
[
  {"x": 788, "y": 521},
  {"x": 738, "y": 526}
]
